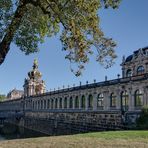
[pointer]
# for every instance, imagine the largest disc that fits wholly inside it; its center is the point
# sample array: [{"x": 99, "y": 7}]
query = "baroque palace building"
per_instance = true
[
  {"x": 129, "y": 93},
  {"x": 125, "y": 96}
]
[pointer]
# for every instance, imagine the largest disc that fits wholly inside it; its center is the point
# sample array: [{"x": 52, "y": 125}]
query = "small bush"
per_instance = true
[{"x": 142, "y": 121}]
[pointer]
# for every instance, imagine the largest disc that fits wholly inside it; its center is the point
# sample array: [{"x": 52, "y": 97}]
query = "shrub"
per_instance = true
[{"x": 142, "y": 121}]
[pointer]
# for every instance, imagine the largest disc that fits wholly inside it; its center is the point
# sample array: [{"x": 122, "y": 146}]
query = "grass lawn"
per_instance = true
[{"x": 115, "y": 139}]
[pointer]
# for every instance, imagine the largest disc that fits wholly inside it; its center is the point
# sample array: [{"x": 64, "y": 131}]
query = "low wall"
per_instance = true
[{"x": 71, "y": 122}]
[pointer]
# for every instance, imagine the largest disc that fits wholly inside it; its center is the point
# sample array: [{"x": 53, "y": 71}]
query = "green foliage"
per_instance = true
[
  {"x": 6, "y": 13},
  {"x": 2, "y": 97},
  {"x": 142, "y": 121},
  {"x": 44, "y": 18}
]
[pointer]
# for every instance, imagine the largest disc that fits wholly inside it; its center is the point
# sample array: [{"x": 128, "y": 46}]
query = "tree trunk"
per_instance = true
[{"x": 15, "y": 23}]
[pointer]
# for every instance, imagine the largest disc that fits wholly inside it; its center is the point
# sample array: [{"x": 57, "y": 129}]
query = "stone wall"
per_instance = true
[{"x": 72, "y": 122}]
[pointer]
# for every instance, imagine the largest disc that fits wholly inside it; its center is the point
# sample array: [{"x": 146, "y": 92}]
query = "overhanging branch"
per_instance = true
[{"x": 15, "y": 23}]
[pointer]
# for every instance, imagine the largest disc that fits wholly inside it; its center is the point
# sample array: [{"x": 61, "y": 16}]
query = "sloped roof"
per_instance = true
[{"x": 135, "y": 53}]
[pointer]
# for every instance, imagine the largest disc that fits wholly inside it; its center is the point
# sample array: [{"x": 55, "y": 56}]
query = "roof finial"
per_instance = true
[
  {"x": 35, "y": 63},
  {"x": 123, "y": 58}
]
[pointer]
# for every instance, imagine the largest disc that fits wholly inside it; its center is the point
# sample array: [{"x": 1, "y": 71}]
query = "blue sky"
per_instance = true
[{"x": 128, "y": 26}]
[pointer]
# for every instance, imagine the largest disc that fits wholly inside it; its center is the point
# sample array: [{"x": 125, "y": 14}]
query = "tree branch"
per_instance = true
[{"x": 15, "y": 23}]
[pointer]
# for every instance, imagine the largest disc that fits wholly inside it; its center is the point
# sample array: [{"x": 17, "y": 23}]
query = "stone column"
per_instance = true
[
  {"x": 53, "y": 103},
  {"x": 73, "y": 102},
  {"x": 73, "y": 105},
  {"x": 34, "y": 105},
  {"x": 58, "y": 105},
  {"x": 43, "y": 107},
  {"x": 106, "y": 100},
  {"x": 145, "y": 96},
  {"x": 86, "y": 102},
  {"x": 63, "y": 97},
  {"x": 79, "y": 97},
  {"x": 45, "y": 103},
  {"x": 49, "y": 103},
  {"x": 131, "y": 99},
  {"x": 68, "y": 102},
  {"x": 118, "y": 99},
  {"x": 30, "y": 104},
  {"x": 95, "y": 97}
]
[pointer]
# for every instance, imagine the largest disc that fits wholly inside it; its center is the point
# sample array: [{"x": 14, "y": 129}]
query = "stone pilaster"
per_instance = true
[
  {"x": 86, "y": 102},
  {"x": 95, "y": 97},
  {"x": 145, "y": 95},
  {"x": 58, "y": 105},
  {"x": 106, "y": 100},
  {"x": 63, "y": 102},
  {"x": 79, "y": 98},
  {"x": 68, "y": 102},
  {"x": 118, "y": 99},
  {"x": 73, "y": 102},
  {"x": 131, "y": 99}
]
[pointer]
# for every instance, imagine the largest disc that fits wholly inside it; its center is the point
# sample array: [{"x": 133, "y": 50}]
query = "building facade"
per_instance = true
[
  {"x": 15, "y": 94},
  {"x": 128, "y": 92},
  {"x": 98, "y": 101}
]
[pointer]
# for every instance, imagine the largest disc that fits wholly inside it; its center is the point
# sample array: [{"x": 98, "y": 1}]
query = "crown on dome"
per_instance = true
[
  {"x": 35, "y": 74},
  {"x": 35, "y": 64}
]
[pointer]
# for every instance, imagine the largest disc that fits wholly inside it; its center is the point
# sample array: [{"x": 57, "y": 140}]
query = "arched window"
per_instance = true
[
  {"x": 83, "y": 102},
  {"x": 70, "y": 102},
  {"x": 38, "y": 104},
  {"x": 44, "y": 104},
  {"x": 138, "y": 98},
  {"x": 41, "y": 104},
  {"x": 77, "y": 102},
  {"x": 33, "y": 107},
  {"x": 129, "y": 73},
  {"x": 56, "y": 103},
  {"x": 35, "y": 104},
  {"x": 52, "y": 103},
  {"x": 60, "y": 103},
  {"x": 90, "y": 101},
  {"x": 140, "y": 70},
  {"x": 32, "y": 104},
  {"x": 100, "y": 101},
  {"x": 113, "y": 100},
  {"x": 48, "y": 103},
  {"x": 65, "y": 102},
  {"x": 124, "y": 100}
]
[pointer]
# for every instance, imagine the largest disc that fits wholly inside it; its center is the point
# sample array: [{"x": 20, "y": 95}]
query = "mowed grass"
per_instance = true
[{"x": 112, "y": 139}]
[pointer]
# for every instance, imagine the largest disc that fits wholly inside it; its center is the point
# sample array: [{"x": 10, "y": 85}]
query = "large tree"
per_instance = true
[{"x": 28, "y": 22}]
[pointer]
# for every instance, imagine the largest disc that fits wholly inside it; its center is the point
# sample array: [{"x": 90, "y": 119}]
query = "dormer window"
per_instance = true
[
  {"x": 129, "y": 73},
  {"x": 140, "y": 70}
]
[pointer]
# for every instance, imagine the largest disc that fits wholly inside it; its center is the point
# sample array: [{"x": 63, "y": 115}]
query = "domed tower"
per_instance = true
[{"x": 33, "y": 85}]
